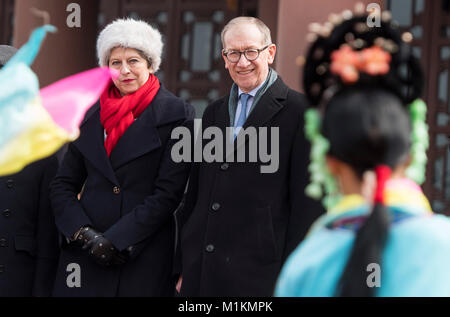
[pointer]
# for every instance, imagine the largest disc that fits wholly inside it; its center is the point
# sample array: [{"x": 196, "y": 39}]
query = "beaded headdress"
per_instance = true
[{"x": 349, "y": 49}]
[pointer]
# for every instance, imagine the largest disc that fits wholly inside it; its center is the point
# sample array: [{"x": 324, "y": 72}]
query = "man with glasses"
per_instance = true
[{"x": 239, "y": 224}]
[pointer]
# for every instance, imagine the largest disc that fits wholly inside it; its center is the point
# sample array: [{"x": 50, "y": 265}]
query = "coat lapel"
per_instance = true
[
  {"x": 268, "y": 106},
  {"x": 141, "y": 137},
  {"x": 222, "y": 116},
  {"x": 270, "y": 103},
  {"x": 91, "y": 144}
]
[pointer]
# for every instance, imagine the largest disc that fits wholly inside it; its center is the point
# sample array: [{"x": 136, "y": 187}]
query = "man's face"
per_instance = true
[{"x": 248, "y": 74}]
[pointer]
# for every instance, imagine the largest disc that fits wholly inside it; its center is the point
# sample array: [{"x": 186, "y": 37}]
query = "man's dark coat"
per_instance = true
[{"x": 238, "y": 224}]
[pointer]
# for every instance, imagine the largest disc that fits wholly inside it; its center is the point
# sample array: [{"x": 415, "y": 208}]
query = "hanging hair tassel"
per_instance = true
[
  {"x": 321, "y": 179},
  {"x": 383, "y": 173}
]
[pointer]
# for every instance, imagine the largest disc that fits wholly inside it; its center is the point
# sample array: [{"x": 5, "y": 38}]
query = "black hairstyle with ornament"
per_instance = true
[{"x": 404, "y": 77}]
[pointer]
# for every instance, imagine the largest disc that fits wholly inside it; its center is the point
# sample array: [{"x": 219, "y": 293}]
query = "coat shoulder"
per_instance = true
[
  {"x": 168, "y": 107},
  {"x": 293, "y": 98},
  {"x": 214, "y": 107},
  {"x": 297, "y": 98},
  {"x": 93, "y": 109},
  {"x": 296, "y": 102},
  {"x": 217, "y": 103}
]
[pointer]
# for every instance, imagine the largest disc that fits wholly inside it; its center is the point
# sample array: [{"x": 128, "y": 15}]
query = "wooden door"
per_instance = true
[
  {"x": 6, "y": 22},
  {"x": 429, "y": 22}
]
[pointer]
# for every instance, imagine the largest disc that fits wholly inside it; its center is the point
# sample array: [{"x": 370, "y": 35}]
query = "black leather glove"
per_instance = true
[
  {"x": 85, "y": 235},
  {"x": 100, "y": 249}
]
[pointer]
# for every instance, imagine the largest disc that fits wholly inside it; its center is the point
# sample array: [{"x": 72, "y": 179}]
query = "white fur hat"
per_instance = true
[{"x": 131, "y": 34}]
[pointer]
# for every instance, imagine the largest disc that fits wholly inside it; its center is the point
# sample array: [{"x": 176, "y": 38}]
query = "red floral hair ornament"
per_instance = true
[{"x": 348, "y": 63}]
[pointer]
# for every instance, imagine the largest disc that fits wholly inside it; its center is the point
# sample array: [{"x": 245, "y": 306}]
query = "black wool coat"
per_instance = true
[
  {"x": 28, "y": 235},
  {"x": 238, "y": 224},
  {"x": 130, "y": 197}
]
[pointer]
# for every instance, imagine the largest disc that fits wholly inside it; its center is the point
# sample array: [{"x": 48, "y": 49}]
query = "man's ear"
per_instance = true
[
  {"x": 272, "y": 51},
  {"x": 225, "y": 60}
]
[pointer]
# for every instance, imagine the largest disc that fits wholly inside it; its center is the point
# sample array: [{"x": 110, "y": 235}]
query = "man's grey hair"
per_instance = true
[{"x": 265, "y": 32}]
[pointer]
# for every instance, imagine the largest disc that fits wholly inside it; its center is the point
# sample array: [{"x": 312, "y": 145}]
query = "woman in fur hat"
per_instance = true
[
  {"x": 117, "y": 188},
  {"x": 380, "y": 238}
]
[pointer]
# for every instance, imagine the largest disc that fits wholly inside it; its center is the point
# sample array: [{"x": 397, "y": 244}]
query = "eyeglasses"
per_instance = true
[{"x": 251, "y": 54}]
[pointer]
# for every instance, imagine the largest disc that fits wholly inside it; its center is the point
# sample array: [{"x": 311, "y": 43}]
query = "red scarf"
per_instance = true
[{"x": 117, "y": 113}]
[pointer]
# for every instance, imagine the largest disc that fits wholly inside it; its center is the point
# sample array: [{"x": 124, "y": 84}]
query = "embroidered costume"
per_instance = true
[{"x": 414, "y": 259}]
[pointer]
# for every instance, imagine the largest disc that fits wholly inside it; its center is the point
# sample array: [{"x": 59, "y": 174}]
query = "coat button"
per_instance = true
[
  {"x": 209, "y": 248},
  {"x": 116, "y": 190},
  {"x": 6, "y": 212},
  {"x": 215, "y": 206},
  {"x": 10, "y": 183},
  {"x": 224, "y": 166},
  {"x": 2, "y": 268},
  {"x": 2, "y": 242}
]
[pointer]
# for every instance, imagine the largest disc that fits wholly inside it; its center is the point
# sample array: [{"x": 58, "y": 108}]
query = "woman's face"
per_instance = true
[{"x": 133, "y": 69}]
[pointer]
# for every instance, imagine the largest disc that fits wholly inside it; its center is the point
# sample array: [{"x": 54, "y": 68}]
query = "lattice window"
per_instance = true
[
  {"x": 192, "y": 66},
  {"x": 6, "y": 21},
  {"x": 429, "y": 22}
]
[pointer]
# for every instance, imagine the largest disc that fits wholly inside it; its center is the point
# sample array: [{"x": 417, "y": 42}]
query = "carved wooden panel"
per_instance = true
[
  {"x": 6, "y": 21},
  {"x": 429, "y": 22}
]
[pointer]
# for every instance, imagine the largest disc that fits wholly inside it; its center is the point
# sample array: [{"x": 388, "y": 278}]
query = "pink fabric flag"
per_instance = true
[{"x": 68, "y": 100}]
